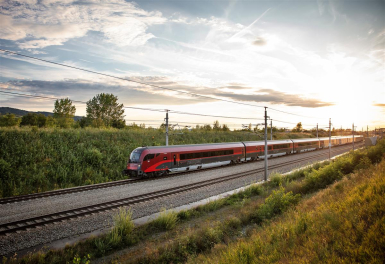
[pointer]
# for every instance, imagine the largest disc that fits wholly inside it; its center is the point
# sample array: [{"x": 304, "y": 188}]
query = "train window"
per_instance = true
[
  {"x": 157, "y": 154},
  {"x": 198, "y": 155},
  {"x": 148, "y": 157},
  {"x": 270, "y": 148}
]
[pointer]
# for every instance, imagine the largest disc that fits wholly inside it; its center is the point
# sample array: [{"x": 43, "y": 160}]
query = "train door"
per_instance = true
[{"x": 174, "y": 160}]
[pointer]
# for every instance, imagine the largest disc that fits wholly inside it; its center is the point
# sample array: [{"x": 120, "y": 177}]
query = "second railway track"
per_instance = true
[{"x": 33, "y": 222}]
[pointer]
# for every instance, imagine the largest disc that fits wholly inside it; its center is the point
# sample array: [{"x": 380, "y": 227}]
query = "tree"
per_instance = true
[
  {"x": 104, "y": 109},
  {"x": 225, "y": 127},
  {"x": 216, "y": 125},
  {"x": 29, "y": 119},
  {"x": 206, "y": 127},
  {"x": 9, "y": 120},
  {"x": 84, "y": 122},
  {"x": 298, "y": 127},
  {"x": 41, "y": 120},
  {"x": 64, "y": 112},
  {"x": 50, "y": 122}
]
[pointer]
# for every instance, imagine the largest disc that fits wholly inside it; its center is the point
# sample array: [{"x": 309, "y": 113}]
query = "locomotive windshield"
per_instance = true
[{"x": 135, "y": 155}]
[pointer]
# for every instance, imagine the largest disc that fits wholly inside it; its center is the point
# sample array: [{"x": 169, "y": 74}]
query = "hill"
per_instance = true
[{"x": 19, "y": 112}]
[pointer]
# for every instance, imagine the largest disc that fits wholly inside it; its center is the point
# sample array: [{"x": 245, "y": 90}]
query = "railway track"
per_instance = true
[
  {"x": 43, "y": 220},
  {"x": 117, "y": 183}
]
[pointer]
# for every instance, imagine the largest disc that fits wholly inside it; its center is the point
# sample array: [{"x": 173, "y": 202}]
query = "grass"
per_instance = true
[
  {"x": 35, "y": 160},
  {"x": 185, "y": 235},
  {"x": 167, "y": 220},
  {"x": 342, "y": 224}
]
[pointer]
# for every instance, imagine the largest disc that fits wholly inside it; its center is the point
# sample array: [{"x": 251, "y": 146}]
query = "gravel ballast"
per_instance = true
[{"x": 37, "y": 236}]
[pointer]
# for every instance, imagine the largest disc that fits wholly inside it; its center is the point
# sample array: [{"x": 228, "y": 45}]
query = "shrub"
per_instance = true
[
  {"x": 102, "y": 246},
  {"x": 167, "y": 220},
  {"x": 275, "y": 204},
  {"x": 9, "y": 120},
  {"x": 275, "y": 179},
  {"x": 123, "y": 224}
]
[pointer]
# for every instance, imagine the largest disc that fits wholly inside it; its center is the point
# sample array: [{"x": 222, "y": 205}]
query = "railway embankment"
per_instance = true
[
  {"x": 328, "y": 211},
  {"x": 40, "y": 160},
  {"x": 56, "y": 218}
]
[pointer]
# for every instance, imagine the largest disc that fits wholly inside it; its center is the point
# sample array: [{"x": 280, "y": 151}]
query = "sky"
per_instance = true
[{"x": 307, "y": 61}]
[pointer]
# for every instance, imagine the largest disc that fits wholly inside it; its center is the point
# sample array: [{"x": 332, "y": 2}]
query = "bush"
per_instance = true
[
  {"x": 123, "y": 223},
  {"x": 167, "y": 220},
  {"x": 9, "y": 120},
  {"x": 275, "y": 204},
  {"x": 122, "y": 230}
]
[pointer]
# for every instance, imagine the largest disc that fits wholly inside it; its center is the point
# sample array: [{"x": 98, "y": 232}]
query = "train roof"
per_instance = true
[
  {"x": 195, "y": 146},
  {"x": 305, "y": 139},
  {"x": 262, "y": 142}
]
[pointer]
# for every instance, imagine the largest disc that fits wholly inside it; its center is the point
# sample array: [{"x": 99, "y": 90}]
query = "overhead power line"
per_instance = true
[
  {"x": 129, "y": 107},
  {"x": 126, "y": 79},
  {"x": 148, "y": 84},
  {"x": 292, "y": 113}
]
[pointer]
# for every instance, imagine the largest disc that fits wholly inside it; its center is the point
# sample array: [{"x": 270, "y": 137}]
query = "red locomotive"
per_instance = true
[{"x": 161, "y": 160}]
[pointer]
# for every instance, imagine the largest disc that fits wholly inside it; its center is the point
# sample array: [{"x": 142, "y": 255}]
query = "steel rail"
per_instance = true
[
  {"x": 32, "y": 196},
  {"x": 33, "y": 222}
]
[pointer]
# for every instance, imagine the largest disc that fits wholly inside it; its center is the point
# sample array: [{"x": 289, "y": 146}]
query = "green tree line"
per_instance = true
[{"x": 103, "y": 110}]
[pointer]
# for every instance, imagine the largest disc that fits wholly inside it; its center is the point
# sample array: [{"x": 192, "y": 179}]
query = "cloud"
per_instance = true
[
  {"x": 259, "y": 41},
  {"x": 276, "y": 97},
  {"x": 236, "y": 86},
  {"x": 84, "y": 90},
  {"x": 47, "y": 23}
]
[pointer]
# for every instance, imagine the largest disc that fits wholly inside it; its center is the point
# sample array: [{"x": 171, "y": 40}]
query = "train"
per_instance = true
[{"x": 154, "y": 161}]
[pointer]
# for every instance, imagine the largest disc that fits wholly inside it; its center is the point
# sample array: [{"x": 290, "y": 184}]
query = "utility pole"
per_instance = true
[
  {"x": 317, "y": 130},
  {"x": 341, "y": 130},
  {"x": 330, "y": 137},
  {"x": 367, "y": 130},
  {"x": 353, "y": 135},
  {"x": 167, "y": 126},
  {"x": 271, "y": 129},
  {"x": 266, "y": 152}
]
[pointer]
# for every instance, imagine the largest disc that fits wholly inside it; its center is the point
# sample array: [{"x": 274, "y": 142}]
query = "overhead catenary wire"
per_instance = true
[
  {"x": 147, "y": 84},
  {"x": 149, "y": 109},
  {"x": 129, "y": 80},
  {"x": 129, "y": 107}
]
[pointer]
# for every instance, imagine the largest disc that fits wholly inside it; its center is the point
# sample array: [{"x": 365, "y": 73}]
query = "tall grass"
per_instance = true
[
  {"x": 167, "y": 220},
  {"x": 262, "y": 209},
  {"x": 343, "y": 224},
  {"x": 37, "y": 160}
]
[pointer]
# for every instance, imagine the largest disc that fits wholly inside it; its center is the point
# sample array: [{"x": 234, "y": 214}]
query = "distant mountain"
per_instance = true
[{"x": 19, "y": 112}]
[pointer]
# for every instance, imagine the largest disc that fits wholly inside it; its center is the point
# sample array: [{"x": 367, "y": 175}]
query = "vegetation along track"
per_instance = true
[
  {"x": 111, "y": 184},
  {"x": 92, "y": 209}
]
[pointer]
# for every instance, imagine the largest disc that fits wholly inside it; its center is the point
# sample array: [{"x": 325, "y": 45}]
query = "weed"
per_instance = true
[
  {"x": 167, "y": 220},
  {"x": 102, "y": 246},
  {"x": 275, "y": 204},
  {"x": 275, "y": 179},
  {"x": 123, "y": 223}
]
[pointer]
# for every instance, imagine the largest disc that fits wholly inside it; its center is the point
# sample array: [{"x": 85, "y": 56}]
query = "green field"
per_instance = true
[{"x": 37, "y": 160}]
